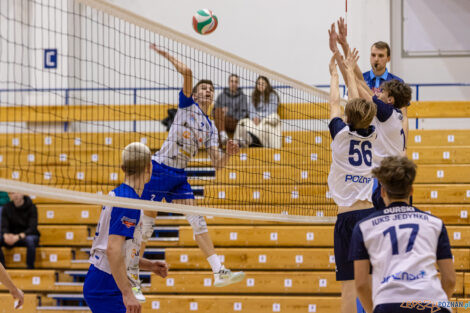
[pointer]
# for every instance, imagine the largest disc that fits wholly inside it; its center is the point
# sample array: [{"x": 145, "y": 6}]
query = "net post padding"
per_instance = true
[
  {"x": 111, "y": 9},
  {"x": 106, "y": 200}
]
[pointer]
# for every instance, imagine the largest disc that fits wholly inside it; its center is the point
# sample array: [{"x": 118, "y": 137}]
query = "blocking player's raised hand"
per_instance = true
[
  {"x": 351, "y": 60},
  {"x": 342, "y": 32},
  {"x": 333, "y": 38}
]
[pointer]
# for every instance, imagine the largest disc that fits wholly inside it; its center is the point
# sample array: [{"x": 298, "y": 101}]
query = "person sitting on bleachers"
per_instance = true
[
  {"x": 20, "y": 226},
  {"x": 230, "y": 107},
  {"x": 263, "y": 127}
]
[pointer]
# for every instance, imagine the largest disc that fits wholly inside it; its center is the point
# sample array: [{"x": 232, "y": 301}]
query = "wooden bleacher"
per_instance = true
[{"x": 290, "y": 267}]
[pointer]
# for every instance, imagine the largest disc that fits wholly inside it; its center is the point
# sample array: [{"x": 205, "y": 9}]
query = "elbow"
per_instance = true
[
  {"x": 187, "y": 72},
  {"x": 362, "y": 286},
  {"x": 448, "y": 283}
]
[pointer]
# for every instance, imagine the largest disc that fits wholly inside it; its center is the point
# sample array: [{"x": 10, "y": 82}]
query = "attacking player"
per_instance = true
[
  {"x": 403, "y": 244},
  {"x": 191, "y": 130},
  {"x": 115, "y": 251},
  {"x": 350, "y": 182}
]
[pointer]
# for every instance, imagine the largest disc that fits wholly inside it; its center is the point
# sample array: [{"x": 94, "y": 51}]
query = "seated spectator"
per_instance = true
[
  {"x": 263, "y": 127},
  {"x": 230, "y": 107},
  {"x": 20, "y": 226}
]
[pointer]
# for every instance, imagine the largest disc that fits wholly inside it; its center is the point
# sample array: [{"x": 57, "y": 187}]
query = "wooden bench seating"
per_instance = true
[
  {"x": 46, "y": 257},
  {"x": 275, "y": 259}
]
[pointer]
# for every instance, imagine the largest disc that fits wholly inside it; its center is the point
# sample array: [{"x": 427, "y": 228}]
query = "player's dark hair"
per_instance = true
[
  {"x": 396, "y": 175},
  {"x": 202, "y": 81},
  {"x": 401, "y": 92},
  {"x": 256, "y": 96},
  {"x": 382, "y": 45},
  {"x": 360, "y": 113},
  {"x": 233, "y": 75}
]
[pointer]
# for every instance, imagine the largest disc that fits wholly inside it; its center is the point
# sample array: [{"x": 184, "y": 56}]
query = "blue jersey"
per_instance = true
[
  {"x": 374, "y": 82},
  {"x": 402, "y": 244},
  {"x": 118, "y": 221}
]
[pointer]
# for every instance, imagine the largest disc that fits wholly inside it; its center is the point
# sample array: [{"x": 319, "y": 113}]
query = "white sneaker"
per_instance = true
[
  {"x": 223, "y": 137},
  {"x": 137, "y": 290},
  {"x": 226, "y": 277}
]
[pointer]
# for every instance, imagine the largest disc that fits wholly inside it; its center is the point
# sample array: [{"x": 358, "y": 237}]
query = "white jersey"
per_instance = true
[
  {"x": 190, "y": 131},
  {"x": 402, "y": 244},
  {"x": 123, "y": 222},
  {"x": 350, "y": 177},
  {"x": 391, "y": 136}
]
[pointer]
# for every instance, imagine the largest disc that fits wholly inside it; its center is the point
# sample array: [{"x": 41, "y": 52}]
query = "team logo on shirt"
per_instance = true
[
  {"x": 128, "y": 222},
  {"x": 186, "y": 134},
  {"x": 404, "y": 276}
]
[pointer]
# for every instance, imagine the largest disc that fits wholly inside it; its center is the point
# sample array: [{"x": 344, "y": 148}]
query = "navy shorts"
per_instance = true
[
  {"x": 167, "y": 183},
  {"x": 401, "y": 308},
  {"x": 101, "y": 292},
  {"x": 343, "y": 232}
]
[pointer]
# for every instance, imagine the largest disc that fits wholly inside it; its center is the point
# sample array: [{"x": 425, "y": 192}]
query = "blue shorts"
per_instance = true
[
  {"x": 399, "y": 308},
  {"x": 167, "y": 183},
  {"x": 342, "y": 239},
  {"x": 101, "y": 292}
]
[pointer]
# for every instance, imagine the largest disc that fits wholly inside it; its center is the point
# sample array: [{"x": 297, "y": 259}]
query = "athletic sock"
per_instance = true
[{"x": 214, "y": 261}]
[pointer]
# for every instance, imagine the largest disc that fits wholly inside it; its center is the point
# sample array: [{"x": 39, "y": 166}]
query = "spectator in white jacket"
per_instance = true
[{"x": 263, "y": 127}]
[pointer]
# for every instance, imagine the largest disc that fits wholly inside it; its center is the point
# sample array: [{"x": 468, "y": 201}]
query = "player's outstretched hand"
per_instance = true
[
  {"x": 343, "y": 31},
  {"x": 18, "y": 295},
  {"x": 131, "y": 303},
  {"x": 232, "y": 147},
  {"x": 333, "y": 38},
  {"x": 351, "y": 59},
  {"x": 155, "y": 48},
  {"x": 160, "y": 268}
]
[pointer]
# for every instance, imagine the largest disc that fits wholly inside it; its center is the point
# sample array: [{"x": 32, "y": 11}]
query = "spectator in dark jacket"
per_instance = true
[
  {"x": 20, "y": 226},
  {"x": 230, "y": 107}
]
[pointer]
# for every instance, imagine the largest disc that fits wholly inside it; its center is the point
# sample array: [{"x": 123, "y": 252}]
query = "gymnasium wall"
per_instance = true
[{"x": 433, "y": 69}]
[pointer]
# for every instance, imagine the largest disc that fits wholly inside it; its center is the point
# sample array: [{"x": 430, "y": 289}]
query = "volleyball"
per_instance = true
[{"x": 204, "y": 22}]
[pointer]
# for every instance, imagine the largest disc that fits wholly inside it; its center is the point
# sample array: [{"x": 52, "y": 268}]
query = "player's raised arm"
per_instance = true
[
  {"x": 182, "y": 68},
  {"x": 335, "y": 108},
  {"x": 350, "y": 63},
  {"x": 342, "y": 39}
]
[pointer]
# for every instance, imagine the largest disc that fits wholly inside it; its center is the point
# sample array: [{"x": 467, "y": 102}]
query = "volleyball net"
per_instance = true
[{"x": 79, "y": 83}]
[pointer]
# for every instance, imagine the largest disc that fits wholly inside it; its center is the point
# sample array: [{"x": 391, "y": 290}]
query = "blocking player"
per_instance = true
[
  {"x": 349, "y": 181},
  {"x": 403, "y": 244},
  {"x": 115, "y": 249},
  {"x": 392, "y": 98},
  {"x": 191, "y": 130}
]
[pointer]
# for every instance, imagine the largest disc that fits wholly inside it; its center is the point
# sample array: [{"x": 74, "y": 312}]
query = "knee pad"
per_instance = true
[
  {"x": 147, "y": 227},
  {"x": 198, "y": 224}
]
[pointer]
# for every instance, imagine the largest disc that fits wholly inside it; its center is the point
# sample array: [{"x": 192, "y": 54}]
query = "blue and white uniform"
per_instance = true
[
  {"x": 100, "y": 289},
  {"x": 402, "y": 244},
  {"x": 391, "y": 140},
  {"x": 350, "y": 177},
  {"x": 350, "y": 180},
  {"x": 190, "y": 131}
]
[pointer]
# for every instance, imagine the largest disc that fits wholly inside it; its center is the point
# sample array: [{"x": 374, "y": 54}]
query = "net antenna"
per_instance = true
[{"x": 81, "y": 83}]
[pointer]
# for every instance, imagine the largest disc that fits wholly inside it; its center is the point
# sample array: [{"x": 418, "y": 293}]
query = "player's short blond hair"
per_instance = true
[
  {"x": 359, "y": 113},
  {"x": 135, "y": 158}
]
